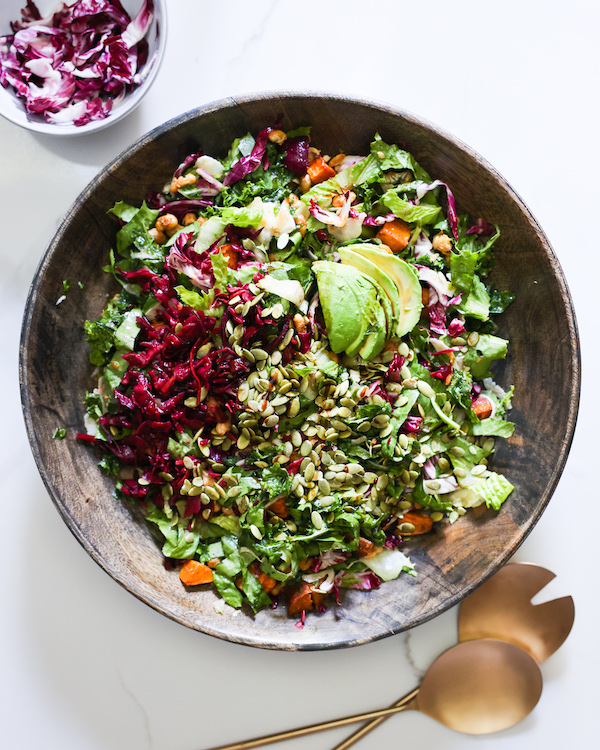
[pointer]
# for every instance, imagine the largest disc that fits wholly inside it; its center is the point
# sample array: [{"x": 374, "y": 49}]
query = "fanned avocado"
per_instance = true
[
  {"x": 349, "y": 256},
  {"x": 406, "y": 280},
  {"x": 349, "y": 303}
]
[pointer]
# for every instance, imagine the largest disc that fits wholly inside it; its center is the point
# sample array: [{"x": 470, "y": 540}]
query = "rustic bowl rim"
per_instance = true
[{"x": 275, "y": 95}]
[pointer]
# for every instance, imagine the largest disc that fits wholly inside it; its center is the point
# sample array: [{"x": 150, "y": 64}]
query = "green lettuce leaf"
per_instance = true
[
  {"x": 487, "y": 349},
  {"x": 494, "y": 490},
  {"x": 395, "y": 158},
  {"x": 254, "y": 591},
  {"x": 493, "y": 427},
  {"x": 242, "y": 216},
  {"x": 123, "y": 211},
  {"x": 476, "y": 303},
  {"x": 194, "y": 299},
  {"x": 209, "y": 233},
  {"x": 143, "y": 219},
  {"x": 127, "y": 332},
  {"x": 180, "y": 542},
  {"x": 220, "y": 270},
  {"x": 424, "y": 213},
  {"x": 228, "y": 590}
]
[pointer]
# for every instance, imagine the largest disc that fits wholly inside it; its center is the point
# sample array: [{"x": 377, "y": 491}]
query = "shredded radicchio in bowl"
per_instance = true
[{"x": 75, "y": 64}]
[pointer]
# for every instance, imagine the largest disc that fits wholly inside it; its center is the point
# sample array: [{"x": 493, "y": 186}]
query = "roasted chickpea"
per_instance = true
[
  {"x": 166, "y": 222},
  {"x": 159, "y": 237},
  {"x": 277, "y": 136},
  {"x": 442, "y": 243}
]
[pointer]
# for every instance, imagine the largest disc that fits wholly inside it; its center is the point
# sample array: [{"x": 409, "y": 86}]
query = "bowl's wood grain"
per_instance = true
[{"x": 543, "y": 364}]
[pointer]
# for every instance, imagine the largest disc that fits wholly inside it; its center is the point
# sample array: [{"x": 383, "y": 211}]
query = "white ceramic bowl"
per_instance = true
[{"x": 13, "y": 109}]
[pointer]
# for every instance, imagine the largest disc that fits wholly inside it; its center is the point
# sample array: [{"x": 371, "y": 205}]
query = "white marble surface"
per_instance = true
[{"x": 84, "y": 665}]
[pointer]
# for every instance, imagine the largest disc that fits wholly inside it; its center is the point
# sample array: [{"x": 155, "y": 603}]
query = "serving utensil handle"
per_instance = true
[
  {"x": 373, "y": 723},
  {"x": 267, "y": 739}
]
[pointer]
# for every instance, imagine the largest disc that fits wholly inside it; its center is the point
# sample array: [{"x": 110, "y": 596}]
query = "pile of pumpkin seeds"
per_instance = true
[{"x": 334, "y": 452}]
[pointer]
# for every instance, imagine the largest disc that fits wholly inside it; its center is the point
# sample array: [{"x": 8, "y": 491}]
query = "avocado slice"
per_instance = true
[
  {"x": 377, "y": 334},
  {"x": 348, "y": 300},
  {"x": 364, "y": 264},
  {"x": 374, "y": 330},
  {"x": 406, "y": 280}
]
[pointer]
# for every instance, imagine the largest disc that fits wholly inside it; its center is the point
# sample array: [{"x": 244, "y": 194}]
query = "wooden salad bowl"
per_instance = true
[{"x": 543, "y": 364}]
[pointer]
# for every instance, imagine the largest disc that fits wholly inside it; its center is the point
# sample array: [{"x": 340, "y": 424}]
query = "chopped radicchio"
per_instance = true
[
  {"x": 377, "y": 221},
  {"x": 451, "y": 210},
  {"x": 75, "y": 64},
  {"x": 247, "y": 164},
  {"x": 481, "y": 228}
]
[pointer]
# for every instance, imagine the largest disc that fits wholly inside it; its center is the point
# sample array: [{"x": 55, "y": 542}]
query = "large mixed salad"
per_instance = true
[{"x": 294, "y": 378}]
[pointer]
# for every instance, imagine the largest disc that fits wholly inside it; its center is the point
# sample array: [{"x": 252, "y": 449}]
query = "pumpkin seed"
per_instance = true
[
  {"x": 229, "y": 479},
  {"x": 243, "y": 440},
  {"x": 324, "y": 486},
  {"x": 382, "y": 482},
  {"x": 294, "y": 408},
  {"x": 355, "y": 468},
  {"x": 325, "y": 501},
  {"x": 306, "y": 448},
  {"x": 286, "y": 339}
]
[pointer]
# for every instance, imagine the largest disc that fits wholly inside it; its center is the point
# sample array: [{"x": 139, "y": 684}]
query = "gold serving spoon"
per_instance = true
[
  {"x": 457, "y": 691},
  {"x": 501, "y": 608}
]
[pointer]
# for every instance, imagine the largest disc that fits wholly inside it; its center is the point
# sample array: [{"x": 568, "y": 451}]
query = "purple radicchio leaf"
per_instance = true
[{"x": 247, "y": 164}]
